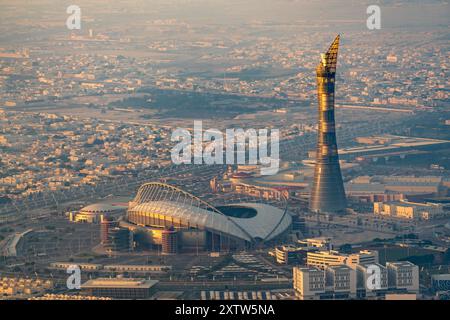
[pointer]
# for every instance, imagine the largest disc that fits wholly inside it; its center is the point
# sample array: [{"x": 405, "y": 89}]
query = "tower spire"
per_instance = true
[{"x": 329, "y": 59}]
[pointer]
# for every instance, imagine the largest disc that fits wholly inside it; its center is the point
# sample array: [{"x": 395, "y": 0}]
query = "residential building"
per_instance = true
[
  {"x": 341, "y": 280},
  {"x": 404, "y": 276},
  {"x": 309, "y": 283},
  {"x": 367, "y": 282}
]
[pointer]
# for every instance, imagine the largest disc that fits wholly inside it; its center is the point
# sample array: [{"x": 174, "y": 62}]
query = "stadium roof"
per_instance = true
[{"x": 166, "y": 200}]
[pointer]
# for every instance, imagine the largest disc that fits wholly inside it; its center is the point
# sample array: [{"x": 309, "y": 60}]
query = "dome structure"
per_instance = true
[
  {"x": 100, "y": 208},
  {"x": 93, "y": 213}
]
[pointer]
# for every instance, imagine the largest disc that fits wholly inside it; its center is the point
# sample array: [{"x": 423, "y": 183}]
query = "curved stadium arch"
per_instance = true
[{"x": 158, "y": 205}]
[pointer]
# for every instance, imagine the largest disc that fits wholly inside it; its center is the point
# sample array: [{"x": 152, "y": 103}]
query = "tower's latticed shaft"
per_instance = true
[{"x": 327, "y": 193}]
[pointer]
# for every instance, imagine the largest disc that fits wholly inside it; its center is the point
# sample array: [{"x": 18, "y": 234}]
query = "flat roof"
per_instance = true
[
  {"x": 445, "y": 276},
  {"x": 366, "y": 265},
  {"x": 413, "y": 204},
  {"x": 340, "y": 267},
  {"x": 401, "y": 264},
  {"x": 309, "y": 268},
  {"x": 101, "y": 208},
  {"x": 136, "y": 266},
  {"x": 317, "y": 239},
  {"x": 365, "y": 187},
  {"x": 341, "y": 254},
  {"x": 128, "y": 283},
  {"x": 80, "y": 264}
]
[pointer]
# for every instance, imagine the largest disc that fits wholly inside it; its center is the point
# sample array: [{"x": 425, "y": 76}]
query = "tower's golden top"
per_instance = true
[{"x": 329, "y": 59}]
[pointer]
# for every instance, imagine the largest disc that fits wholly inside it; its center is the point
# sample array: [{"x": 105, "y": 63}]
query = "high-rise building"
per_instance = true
[
  {"x": 117, "y": 239},
  {"x": 107, "y": 224},
  {"x": 327, "y": 193},
  {"x": 169, "y": 241}
]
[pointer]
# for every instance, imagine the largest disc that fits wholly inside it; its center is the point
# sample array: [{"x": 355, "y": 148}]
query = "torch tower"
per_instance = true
[{"x": 327, "y": 192}]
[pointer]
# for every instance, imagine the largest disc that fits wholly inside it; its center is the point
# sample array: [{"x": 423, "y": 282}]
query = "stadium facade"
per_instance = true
[{"x": 200, "y": 225}]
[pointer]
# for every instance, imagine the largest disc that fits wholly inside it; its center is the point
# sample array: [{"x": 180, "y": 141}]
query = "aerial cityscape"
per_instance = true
[{"x": 242, "y": 150}]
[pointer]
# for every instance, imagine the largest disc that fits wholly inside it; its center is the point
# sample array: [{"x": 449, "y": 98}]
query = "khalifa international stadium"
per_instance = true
[{"x": 160, "y": 209}]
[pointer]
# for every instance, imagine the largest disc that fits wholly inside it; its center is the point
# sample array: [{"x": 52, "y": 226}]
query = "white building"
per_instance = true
[
  {"x": 367, "y": 281},
  {"x": 403, "y": 275},
  {"x": 341, "y": 280},
  {"x": 322, "y": 259},
  {"x": 335, "y": 282},
  {"x": 286, "y": 254},
  {"x": 344, "y": 282},
  {"x": 309, "y": 283}
]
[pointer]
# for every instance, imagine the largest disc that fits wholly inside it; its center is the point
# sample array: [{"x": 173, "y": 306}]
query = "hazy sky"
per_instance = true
[{"x": 395, "y": 13}]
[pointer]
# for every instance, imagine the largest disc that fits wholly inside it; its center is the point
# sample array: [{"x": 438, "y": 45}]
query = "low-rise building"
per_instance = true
[
  {"x": 322, "y": 259},
  {"x": 341, "y": 280},
  {"x": 409, "y": 210},
  {"x": 137, "y": 268},
  {"x": 309, "y": 283},
  {"x": 371, "y": 279},
  {"x": 292, "y": 254},
  {"x": 119, "y": 288},
  {"x": 319, "y": 243},
  {"x": 440, "y": 282},
  {"x": 82, "y": 266},
  {"x": 403, "y": 276},
  {"x": 23, "y": 287}
]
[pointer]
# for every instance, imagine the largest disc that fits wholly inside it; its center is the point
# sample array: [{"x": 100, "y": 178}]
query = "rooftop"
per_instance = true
[
  {"x": 401, "y": 264},
  {"x": 119, "y": 283},
  {"x": 339, "y": 267},
  {"x": 100, "y": 207},
  {"x": 309, "y": 269}
]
